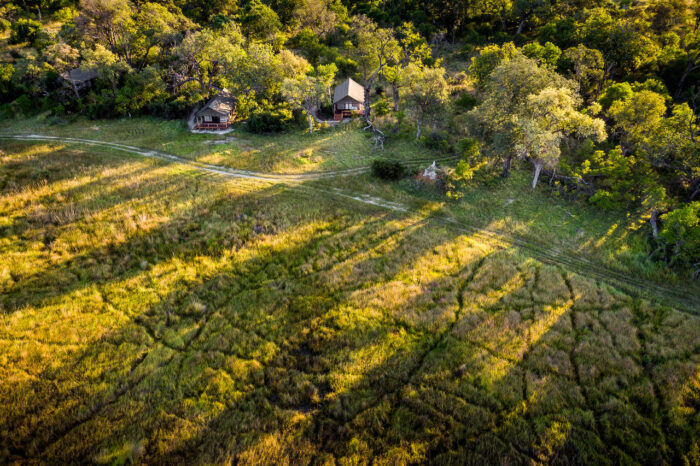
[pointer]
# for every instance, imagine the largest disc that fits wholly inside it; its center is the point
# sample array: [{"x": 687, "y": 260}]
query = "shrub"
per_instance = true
[
  {"x": 388, "y": 169},
  {"x": 466, "y": 101},
  {"x": 680, "y": 234},
  {"x": 25, "y": 30},
  {"x": 436, "y": 140},
  {"x": 381, "y": 107},
  {"x": 65, "y": 14},
  {"x": 269, "y": 121}
]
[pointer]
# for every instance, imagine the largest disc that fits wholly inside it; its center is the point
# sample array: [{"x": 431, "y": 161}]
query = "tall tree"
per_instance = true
[
  {"x": 547, "y": 119},
  {"x": 207, "y": 58},
  {"x": 374, "y": 48},
  {"x": 505, "y": 95},
  {"x": 306, "y": 93},
  {"x": 426, "y": 93}
]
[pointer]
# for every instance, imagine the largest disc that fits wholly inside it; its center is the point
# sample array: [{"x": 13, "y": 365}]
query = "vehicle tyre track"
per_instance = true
[{"x": 636, "y": 287}]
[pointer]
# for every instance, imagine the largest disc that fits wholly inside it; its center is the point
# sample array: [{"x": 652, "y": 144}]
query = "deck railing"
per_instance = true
[{"x": 212, "y": 125}]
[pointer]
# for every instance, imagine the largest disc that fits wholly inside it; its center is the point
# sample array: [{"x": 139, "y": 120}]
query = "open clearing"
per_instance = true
[
  {"x": 294, "y": 152},
  {"x": 152, "y": 312}
]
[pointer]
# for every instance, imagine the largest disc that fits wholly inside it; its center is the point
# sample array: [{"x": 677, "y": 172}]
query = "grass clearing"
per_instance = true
[
  {"x": 345, "y": 146},
  {"x": 511, "y": 208},
  {"x": 153, "y": 314}
]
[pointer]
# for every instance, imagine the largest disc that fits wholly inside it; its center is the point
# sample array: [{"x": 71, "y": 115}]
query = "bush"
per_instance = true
[
  {"x": 388, "y": 169},
  {"x": 269, "y": 121},
  {"x": 436, "y": 140},
  {"x": 680, "y": 235},
  {"x": 381, "y": 107},
  {"x": 466, "y": 101},
  {"x": 25, "y": 30}
]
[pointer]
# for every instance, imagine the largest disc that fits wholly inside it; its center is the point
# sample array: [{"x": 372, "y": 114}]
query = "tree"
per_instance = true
[
  {"x": 109, "y": 23},
  {"x": 505, "y": 97},
  {"x": 207, "y": 57},
  {"x": 306, "y": 93},
  {"x": 326, "y": 73},
  {"x": 547, "y": 54},
  {"x": 374, "y": 48},
  {"x": 414, "y": 49},
  {"x": 548, "y": 118},
  {"x": 108, "y": 65},
  {"x": 156, "y": 29},
  {"x": 25, "y": 30},
  {"x": 317, "y": 16},
  {"x": 669, "y": 142},
  {"x": 690, "y": 44},
  {"x": 585, "y": 66},
  {"x": 623, "y": 47},
  {"x": 260, "y": 21},
  {"x": 681, "y": 235},
  {"x": 488, "y": 59},
  {"x": 426, "y": 93}
]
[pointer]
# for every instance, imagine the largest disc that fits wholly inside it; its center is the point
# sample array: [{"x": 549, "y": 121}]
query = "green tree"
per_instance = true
[
  {"x": 373, "y": 49},
  {"x": 680, "y": 234},
  {"x": 260, "y": 21},
  {"x": 547, "y": 54},
  {"x": 25, "y": 30},
  {"x": 207, "y": 58},
  {"x": 488, "y": 59},
  {"x": 586, "y": 67},
  {"x": 306, "y": 93},
  {"x": 671, "y": 143},
  {"x": 505, "y": 94},
  {"x": 548, "y": 118},
  {"x": 623, "y": 46},
  {"x": 426, "y": 93},
  {"x": 109, "y": 66}
]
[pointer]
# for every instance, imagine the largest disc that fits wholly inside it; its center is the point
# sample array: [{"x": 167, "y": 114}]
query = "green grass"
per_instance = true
[
  {"x": 153, "y": 314},
  {"x": 612, "y": 239},
  {"x": 346, "y": 146}
]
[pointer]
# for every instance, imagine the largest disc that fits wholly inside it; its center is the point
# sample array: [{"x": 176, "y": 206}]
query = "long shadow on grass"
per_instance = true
[
  {"x": 528, "y": 370},
  {"x": 156, "y": 343},
  {"x": 379, "y": 339}
]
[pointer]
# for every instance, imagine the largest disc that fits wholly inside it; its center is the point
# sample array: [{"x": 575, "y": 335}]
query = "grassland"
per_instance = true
[
  {"x": 151, "y": 313},
  {"x": 291, "y": 152}
]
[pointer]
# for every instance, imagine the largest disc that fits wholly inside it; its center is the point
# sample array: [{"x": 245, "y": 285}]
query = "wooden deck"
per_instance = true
[{"x": 211, "y": 125}]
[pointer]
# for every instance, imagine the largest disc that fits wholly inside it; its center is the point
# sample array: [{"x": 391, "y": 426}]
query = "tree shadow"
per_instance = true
[{"x": 322, "y": 335}]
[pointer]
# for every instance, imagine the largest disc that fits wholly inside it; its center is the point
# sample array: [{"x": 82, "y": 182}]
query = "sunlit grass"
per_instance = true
[
  {"x": 153, "y": 315},
  {"x": 295, "y": 151}
]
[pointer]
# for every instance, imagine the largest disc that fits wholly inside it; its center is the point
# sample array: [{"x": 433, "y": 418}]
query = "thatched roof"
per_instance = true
[
  {"x": 349, "y": 88},
  {"x": 78, "y": 76},
  {"x": 223, "y": 103}
]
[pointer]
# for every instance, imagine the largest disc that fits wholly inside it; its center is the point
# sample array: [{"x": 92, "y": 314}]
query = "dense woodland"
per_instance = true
[{"x": 597, "y": 97}]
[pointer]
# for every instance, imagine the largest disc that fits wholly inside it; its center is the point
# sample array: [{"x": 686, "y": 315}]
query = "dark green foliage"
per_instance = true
[
  {"x": 269, "y": 121},
  {"x": 388, "y": 169},
  {"x": 437, "y": 140},
  {"x": 680, "y": 236},
  {"x": 25, "y": 30},
  {"x": 466, "y": 101}
]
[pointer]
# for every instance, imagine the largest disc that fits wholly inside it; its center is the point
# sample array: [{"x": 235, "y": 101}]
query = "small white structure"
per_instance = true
[{"x": 431, "y": 172}]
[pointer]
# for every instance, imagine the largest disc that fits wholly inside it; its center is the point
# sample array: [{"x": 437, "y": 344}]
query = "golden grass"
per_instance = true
[{"x": 152, "y": 315}]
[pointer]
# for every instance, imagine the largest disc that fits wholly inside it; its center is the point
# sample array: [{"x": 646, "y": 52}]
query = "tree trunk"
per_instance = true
[
  {"x": 418, "y": 130},
  {"x": 686, "y": 72},
  {"x": 538, "y": 169},
  {"x": 520, "y": 27},
  {"x": 695, "y": 190},
  {"x": 395, "y": 93},
  {"x": 311, "y": 122},
  {"x": 506, "y": 166},
  {"x": 654, "y": 225},
  {"x": 366, "y": 102}
]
